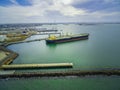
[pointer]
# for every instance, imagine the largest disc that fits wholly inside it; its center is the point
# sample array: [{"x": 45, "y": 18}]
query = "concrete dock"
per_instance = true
[
  {"x": 27, "y": 66},
  {"x": 9, "y": 58},
  {"x": 24, "y": 41}
]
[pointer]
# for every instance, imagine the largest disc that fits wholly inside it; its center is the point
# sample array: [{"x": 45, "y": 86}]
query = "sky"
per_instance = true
[{"x": 47, "y": 11}]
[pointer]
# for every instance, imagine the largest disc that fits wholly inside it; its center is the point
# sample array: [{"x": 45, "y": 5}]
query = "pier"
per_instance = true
[
  {"x": 30, "y": 66},
  {"x": 24, "y": 41},
  {"x": 49, "y": 30},
  {"x": 9, "y": 58},
  {"x": 46, "y": 33}
]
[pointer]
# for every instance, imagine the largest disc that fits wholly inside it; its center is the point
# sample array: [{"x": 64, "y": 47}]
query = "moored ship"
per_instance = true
[{"x": 67, "y": 38}]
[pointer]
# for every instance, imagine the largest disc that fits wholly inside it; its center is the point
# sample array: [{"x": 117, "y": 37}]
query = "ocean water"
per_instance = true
[
  {"x": 62, "y": 83},
  {"x": 100, "y": 51}
]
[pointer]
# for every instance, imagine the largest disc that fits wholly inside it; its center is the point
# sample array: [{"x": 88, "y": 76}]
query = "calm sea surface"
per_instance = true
[{"x": 100, "y": 51}]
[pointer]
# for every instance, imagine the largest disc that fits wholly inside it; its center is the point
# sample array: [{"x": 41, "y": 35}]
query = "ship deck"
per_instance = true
[{"x": 70, "y": 36}]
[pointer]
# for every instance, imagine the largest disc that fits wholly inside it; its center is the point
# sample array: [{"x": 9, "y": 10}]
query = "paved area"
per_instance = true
[{"x": 3, "y": 54}]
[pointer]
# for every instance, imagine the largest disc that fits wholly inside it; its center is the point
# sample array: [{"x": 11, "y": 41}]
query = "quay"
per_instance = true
[
  {"x": 9, "y": 58},
  {"x": 47, "y": 33},
  {"x": 24, "y": 41},
  {"x": 30, "y": 66},
  {"x": 49, "y": 30}
]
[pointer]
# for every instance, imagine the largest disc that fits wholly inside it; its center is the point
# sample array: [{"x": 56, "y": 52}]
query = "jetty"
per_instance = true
[
  {"x": 9, "y": 58},
  {"x": 27, "y": 41},
  {"x": 46, "y": 33},
  {"x": 30, "y": 66},
  {"x": 48, "y": 30}
]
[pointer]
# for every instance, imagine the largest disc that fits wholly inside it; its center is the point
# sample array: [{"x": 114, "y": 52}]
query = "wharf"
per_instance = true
[
  {"x": 46, "y": 33},
  {"x": 27, "y": 66},
  {"x": 24, "y": 41},
  {"x": 49, "y": 30},
  {"x": 9, "y": 58}
]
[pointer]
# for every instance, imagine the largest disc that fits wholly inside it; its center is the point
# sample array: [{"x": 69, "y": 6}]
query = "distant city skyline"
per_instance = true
[{"x": 47, "y": 11}]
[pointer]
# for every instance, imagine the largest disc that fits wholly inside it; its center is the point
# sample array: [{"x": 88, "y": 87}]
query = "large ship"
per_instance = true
[{"x": 66, "y": 38}]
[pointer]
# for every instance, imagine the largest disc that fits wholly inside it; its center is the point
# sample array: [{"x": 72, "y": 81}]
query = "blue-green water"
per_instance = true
[
  {"x": 65, "y": 83},
  {"x": 101, "y": 50}
]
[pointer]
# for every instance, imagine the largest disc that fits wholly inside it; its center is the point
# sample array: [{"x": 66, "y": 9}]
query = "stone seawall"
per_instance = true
[{"x": 61, "y": 74}]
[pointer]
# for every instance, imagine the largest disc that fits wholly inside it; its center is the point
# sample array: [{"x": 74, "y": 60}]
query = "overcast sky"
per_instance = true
[{"x": 38, "y": 11}]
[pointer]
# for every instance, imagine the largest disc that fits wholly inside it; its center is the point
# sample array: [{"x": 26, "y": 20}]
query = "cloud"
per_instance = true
[
  {"x": 41, "y": 7},
  {"x": 48, "y": 10},
  {"x": 65, "y": 8},
  {"x": 14, "y": 2}
]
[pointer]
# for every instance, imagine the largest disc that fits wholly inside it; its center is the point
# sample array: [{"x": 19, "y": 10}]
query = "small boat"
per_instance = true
[{"x": 67, "y": 38}]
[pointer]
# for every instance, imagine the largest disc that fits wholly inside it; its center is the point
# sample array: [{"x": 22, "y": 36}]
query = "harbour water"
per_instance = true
[
  {"x": 100, "y": 51},
  {"x": 62, "y": 83}
]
